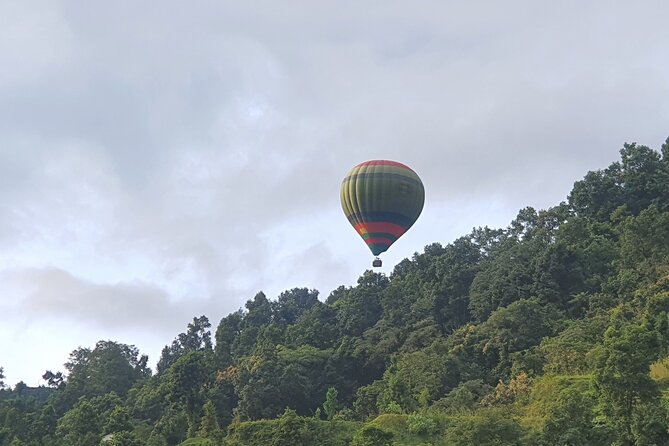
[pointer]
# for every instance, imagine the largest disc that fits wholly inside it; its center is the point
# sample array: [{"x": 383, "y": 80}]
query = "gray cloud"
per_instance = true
[
  {"x": 54, "y": 293},
  {"x": 184, "y": 156}
]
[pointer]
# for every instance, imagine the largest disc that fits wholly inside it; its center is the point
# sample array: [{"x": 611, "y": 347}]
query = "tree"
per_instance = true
[
  {"x": 81, "y": 425},
  {"x": 172, "y": 427},
  {"x": 209, "y": 427},
  {"x": 2, "y": 377},
  {"x": 639, "y": 179},
  {"x": 292, "y": 430},
  {"x": 517, "y": 389},
  {"x": 422, "y": 375},
  {"x": 644, "y": 249},
  {"x": 644, "y": 180},
  {"x": 117, "y": 421},
  {"x": 466, "y": 396},
  {"x": 196, "y": 338},
  {"x": 360, "y": 308},
  {"x": 649, "y": 424},
  {"x": 506, "y": 275},
  {"x": 20, "y": 389},
  {"x": 567, "y": 353},
  {"x": 259, "y": 311},
  {"x": 226, "y": 333},
  {"x": 570, "y": 420},
  {"x": 187, "y": 380},
  {"x": 292, "y": 304},
  {"x": 43, "y": 426},
  {"x": 148, "y": 399},
  {"x": 258, "y": 384},
  {"x": 124, "y": 439},
  {"x": 317, "y": 326},
  {"x": 367, "y": 400},
  {"x": 622, "y": 375},
  {"x": 331, "y": 404},
  {"x": 56, "y": 380},
  {"x": 109, "y": 367},
  {"x": 485, "y": 428},
  {"x": 511, "y": 330},
  {"x": 598, "y": 194},
  {"x": 452, "y": 274},
  {"x": 258, "y": 316}
]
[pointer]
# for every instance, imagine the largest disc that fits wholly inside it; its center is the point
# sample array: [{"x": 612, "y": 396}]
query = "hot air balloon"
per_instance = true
[{"x": 381, "y": 199}]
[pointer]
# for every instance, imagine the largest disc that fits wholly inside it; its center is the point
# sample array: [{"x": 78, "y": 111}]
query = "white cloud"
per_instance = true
[
  {"x": 182, "y": 157},
  {"x": 54, "y": 293}
]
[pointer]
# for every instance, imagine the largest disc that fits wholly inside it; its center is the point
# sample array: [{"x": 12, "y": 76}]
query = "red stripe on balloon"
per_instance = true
[
  {"x": 388, "y": 228},
  {"x": 384, "y": 163}
]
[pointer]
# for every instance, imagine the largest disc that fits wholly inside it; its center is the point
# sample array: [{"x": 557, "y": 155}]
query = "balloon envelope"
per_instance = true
[{"x": 382, "y": 199}]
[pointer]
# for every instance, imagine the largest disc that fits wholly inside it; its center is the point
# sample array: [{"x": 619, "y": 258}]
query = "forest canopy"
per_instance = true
[{"x": 551, "y": 331}]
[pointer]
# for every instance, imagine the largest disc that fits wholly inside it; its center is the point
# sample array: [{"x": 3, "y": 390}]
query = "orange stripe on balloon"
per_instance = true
[{"x": 388, "y": 228}]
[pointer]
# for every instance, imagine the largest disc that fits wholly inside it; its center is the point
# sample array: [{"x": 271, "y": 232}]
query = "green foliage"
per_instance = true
[
  {"x": 330, "y": 405},
  {"x": 117, "y": 421},
  {"x": 109, "y": 367},
  {"x": 172, "y": 426},
  {"x": 644, "y": 248},
  {"x": 226, "y": 333},
  {"x": 367, "y": 400},
  {"x": 415, "y": 379},
  {"x": 360, "y": 308},
  {"x": 392, "y": 422},
  {"x": 546, "y": 332},
  {"x": 421, "y": 425},
  {"x": 317, "y": 327},
  {"x": 372, "y": 436},
  {"x": 85, "y": 422},
  {"x": 393, "y": 407},
  {"x": 290, "y": 430},
  {"x": 257, "y": 383},
  {"x": 209, "y": 427},
  {"x": 197, "y": 338},
  {"x": 124, "y": 439},
  {"x": 186, "y": 379},
  {"x": 489, "y": 428},
  {"x": 649, "y": 424},
  {"x": 199, "y": 442},
  {"x": 292, "y": 304},
  {"x": 568, "y": 352},
  {"x": 500, "y": 345},
  {"x": 623, "y": 374},
  {"x": 467, "y": 395},
  {"x": 146, "y": 400},
  {"x": 567, "y": 409}
]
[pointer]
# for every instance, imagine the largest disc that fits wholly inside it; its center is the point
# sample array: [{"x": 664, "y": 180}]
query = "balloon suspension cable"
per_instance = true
[{"x": 377, "y": 262}]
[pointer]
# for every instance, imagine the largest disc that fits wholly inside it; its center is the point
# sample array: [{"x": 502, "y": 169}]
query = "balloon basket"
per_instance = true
[{"x": 377, "y": 263}]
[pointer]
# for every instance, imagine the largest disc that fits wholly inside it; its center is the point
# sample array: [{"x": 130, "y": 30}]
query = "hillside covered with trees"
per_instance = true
[{"x": 551, "y": 331}]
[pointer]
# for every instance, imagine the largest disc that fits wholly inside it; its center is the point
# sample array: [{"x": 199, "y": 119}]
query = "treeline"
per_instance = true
[{"x": 551, "y": 331}]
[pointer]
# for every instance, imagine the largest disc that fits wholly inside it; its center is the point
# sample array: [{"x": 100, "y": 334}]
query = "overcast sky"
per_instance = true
[{"x": 160, "y": 160}]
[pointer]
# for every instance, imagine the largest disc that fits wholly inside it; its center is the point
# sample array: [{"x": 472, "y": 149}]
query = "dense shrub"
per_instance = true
[
  {"x": 372, "y": 436},
  {"x": 421, "y": 425}
]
